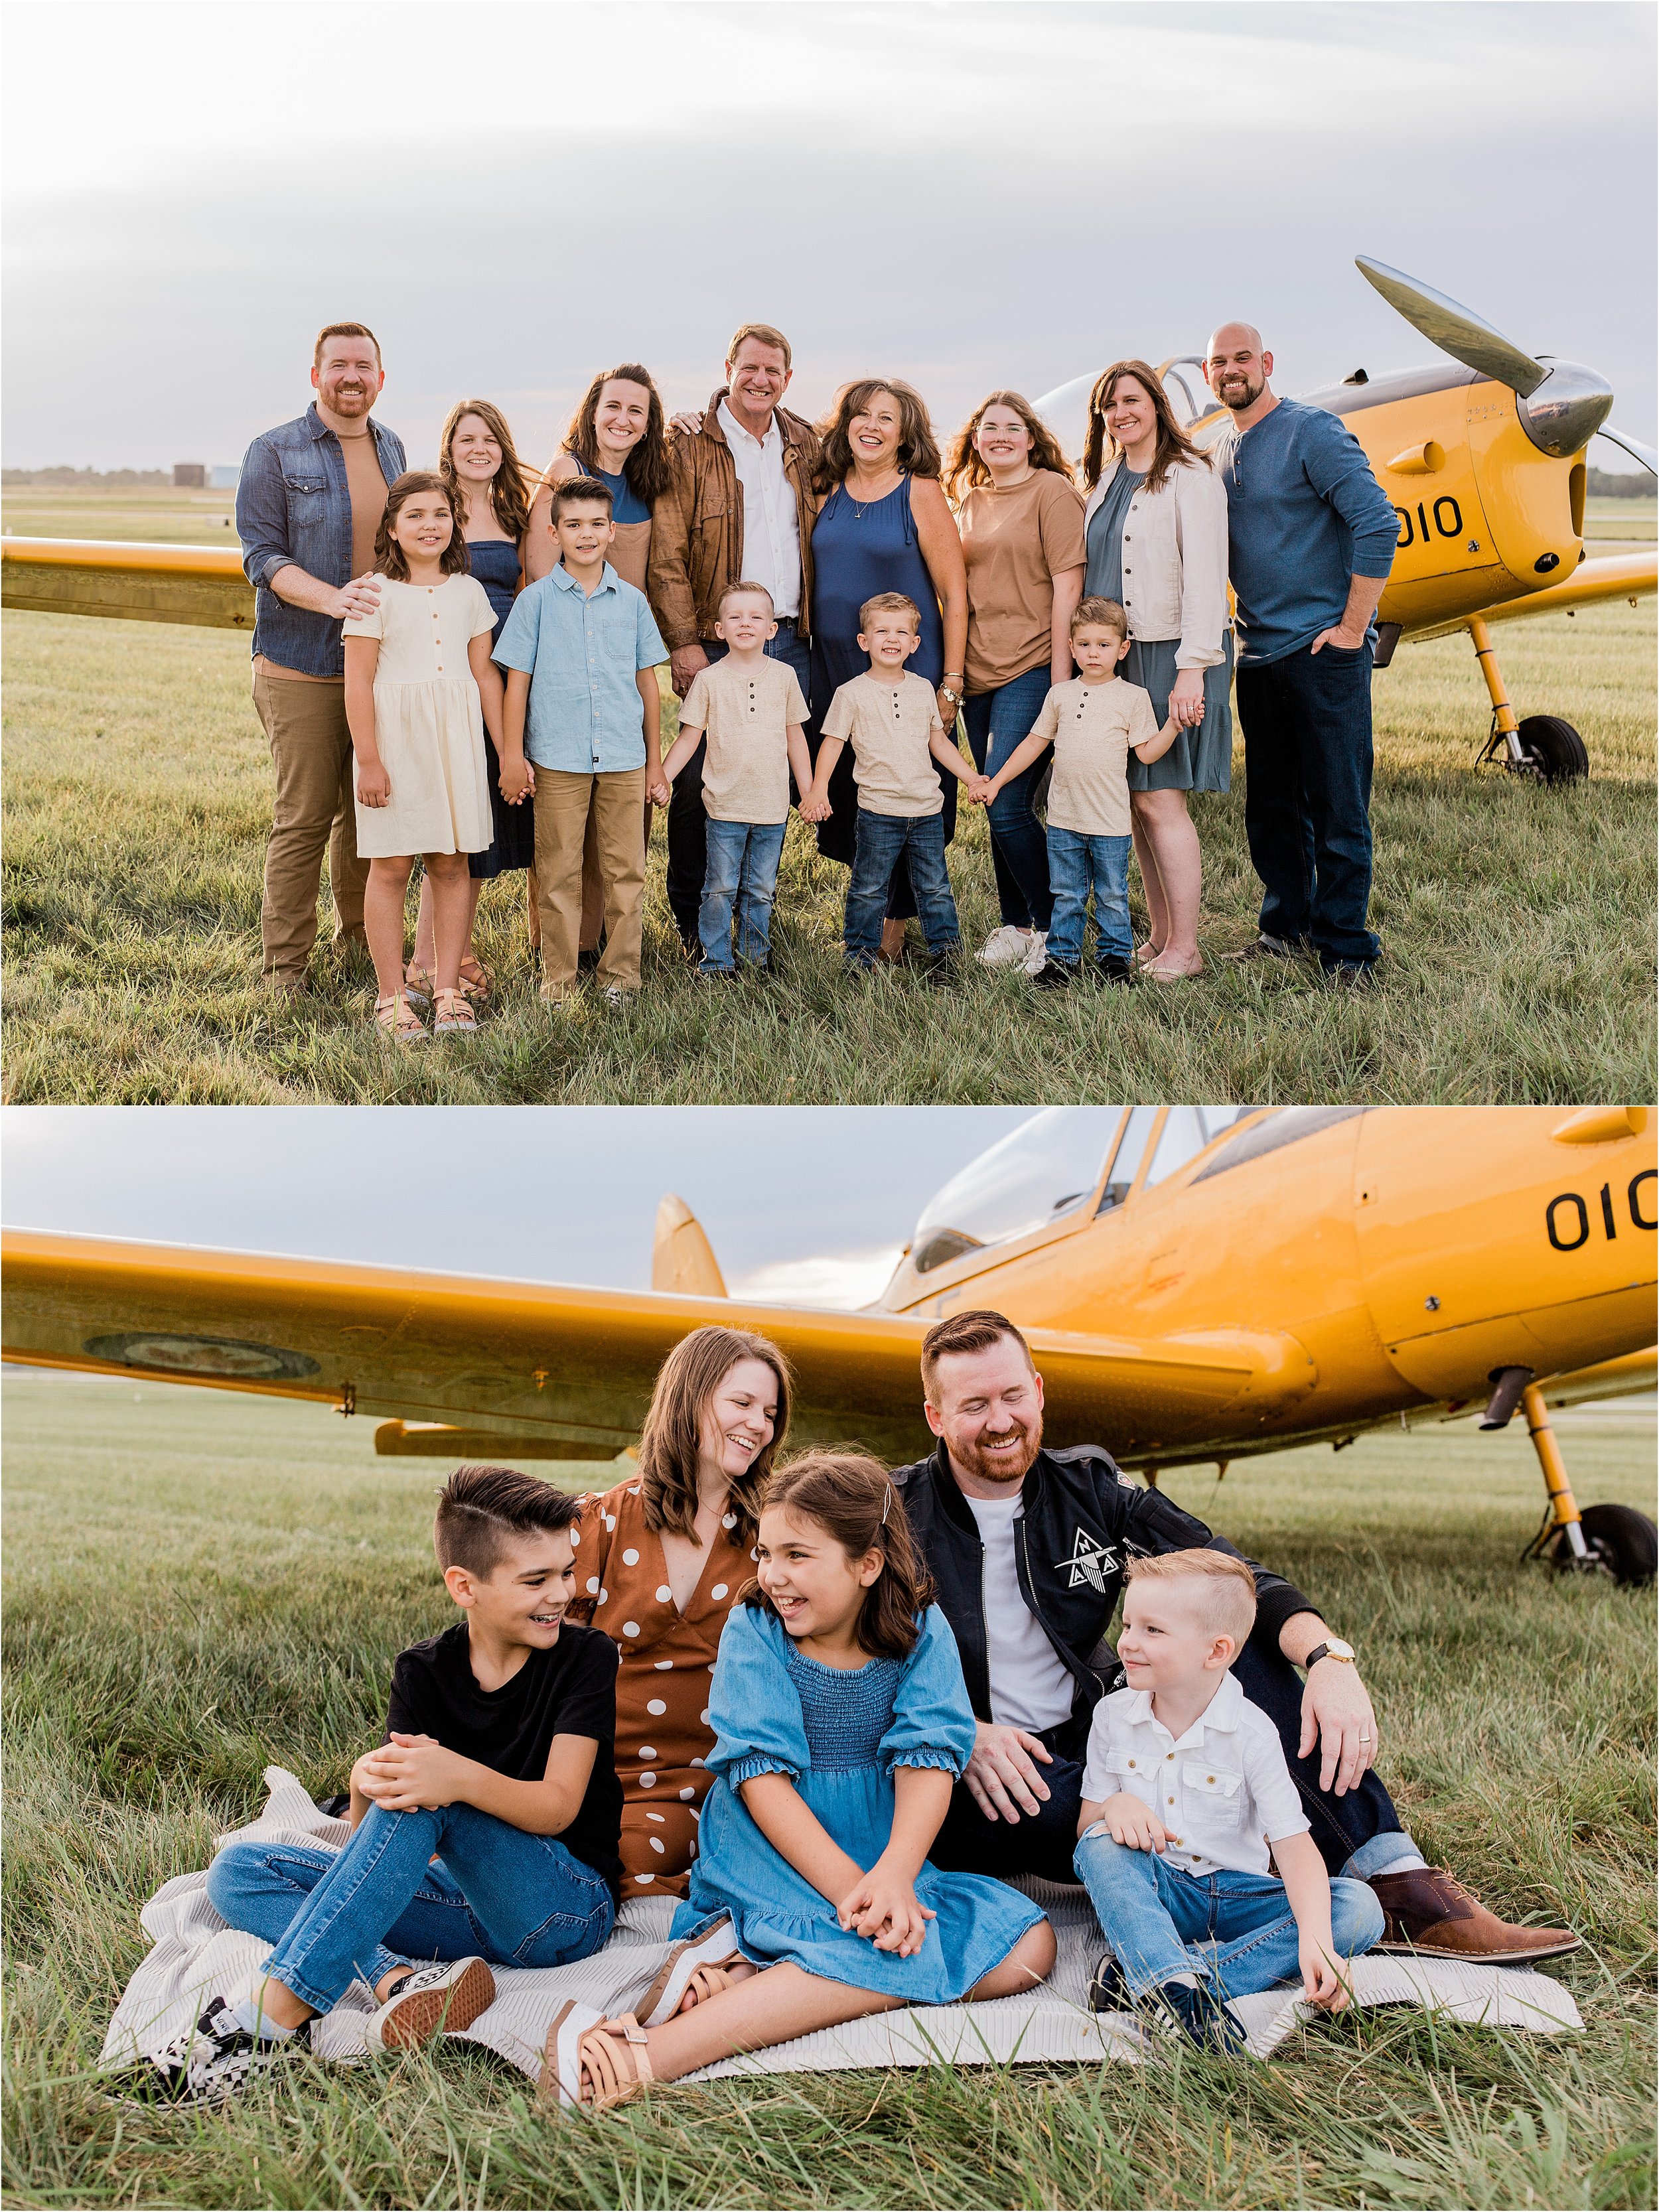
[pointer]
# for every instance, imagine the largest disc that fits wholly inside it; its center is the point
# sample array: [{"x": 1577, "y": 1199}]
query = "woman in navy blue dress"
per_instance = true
[
  {"x": 477, "y": 457},
  {"x": 884, "y": 527}
]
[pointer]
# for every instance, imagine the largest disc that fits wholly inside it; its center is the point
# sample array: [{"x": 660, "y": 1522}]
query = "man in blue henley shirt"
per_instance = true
[{"x": 1311, "y": 539}]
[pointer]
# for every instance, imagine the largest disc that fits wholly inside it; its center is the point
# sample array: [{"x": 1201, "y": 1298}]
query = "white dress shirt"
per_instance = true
[
  {"x": 1223, "y": 1787},
  {"x": 771, "y": 522}
]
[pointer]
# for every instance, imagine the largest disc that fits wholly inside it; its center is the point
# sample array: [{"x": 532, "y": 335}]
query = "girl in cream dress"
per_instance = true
[{"x": 421, "y": 689}]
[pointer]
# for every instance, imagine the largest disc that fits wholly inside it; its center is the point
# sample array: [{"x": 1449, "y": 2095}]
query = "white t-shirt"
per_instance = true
[
  {"x": 1030, "y": 1685},
  {"x": 1223, "y": 1787},
  {"x": 771, "y": 521}
]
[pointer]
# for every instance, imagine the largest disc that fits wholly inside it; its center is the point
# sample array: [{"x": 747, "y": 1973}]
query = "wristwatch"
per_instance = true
[{"x": 1332, "y": 1648}]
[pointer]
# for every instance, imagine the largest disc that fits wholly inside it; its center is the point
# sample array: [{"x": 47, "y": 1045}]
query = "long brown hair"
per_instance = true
[
  {"x": 965, "y": 465},
  {"x": 509, "y": 495},
  {"x": 852, "y": 1497},
  {"x": 648, "y": 471},
  {"x": 389, "y": 557},
  {"x": 688, "y": 1379},
  {"x": 918, "y": 449},
  {"x": 1174, "y": 447}
]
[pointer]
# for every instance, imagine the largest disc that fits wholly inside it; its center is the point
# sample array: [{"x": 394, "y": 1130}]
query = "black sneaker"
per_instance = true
[
  {"x": 587, "y": 962},
  {"x": 1055, "y": 975},
  {"x": 1109, "y": 1991},
  {"x": 1268, "y": 948},
  {"x": 217, "y": 2059},
  {"x": 1113, "y": 968},
  {"x": 1198, "y": 2014},
  {"x": 941, "y": 971},
  {"x": 1350, "y": 975}
]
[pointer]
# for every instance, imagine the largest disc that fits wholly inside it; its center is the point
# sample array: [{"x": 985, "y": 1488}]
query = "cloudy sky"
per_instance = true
[
  {"x": 801, "y": 1203},
  {"x": 515, "y": 193}
]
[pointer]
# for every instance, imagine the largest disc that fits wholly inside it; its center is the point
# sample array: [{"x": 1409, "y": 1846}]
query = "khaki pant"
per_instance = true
[
  {"x": 314, "y": 812},
  {"x": 565, "y": 803}
]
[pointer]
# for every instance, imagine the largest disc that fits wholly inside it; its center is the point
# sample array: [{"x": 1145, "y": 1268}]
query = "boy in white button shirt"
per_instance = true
[
  {"x": 1185, "y": 1788},
  {"x": 754, "y": 715},
  {"x": 1092, "y": 722},
  {"x": 890, "y": 718}
]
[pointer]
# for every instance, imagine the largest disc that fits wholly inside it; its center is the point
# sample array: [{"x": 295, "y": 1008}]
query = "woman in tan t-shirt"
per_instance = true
[
  {"x": 660, "y": 1561},
  {"x": 1021, "y": 520},
  {"x": 617, "y": 436}
]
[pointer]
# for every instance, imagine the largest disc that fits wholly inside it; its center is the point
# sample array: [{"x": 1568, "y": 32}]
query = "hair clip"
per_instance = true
[{"x": 885, "y": 1503}]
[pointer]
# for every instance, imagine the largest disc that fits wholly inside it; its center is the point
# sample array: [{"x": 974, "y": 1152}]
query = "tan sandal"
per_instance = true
[
  {"x": 581, "y": 2043},
  {"x": 417, "y": 983},
  {"x": 453, "y": 1015},
  {"x": 697, "y": 1965},
  {"x": 396, "y": 1016},
  {"x": 476, "y": 982}
]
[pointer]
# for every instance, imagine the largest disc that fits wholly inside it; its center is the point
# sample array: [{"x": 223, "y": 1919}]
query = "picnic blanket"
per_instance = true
[{"x": 196, "y": 1956}]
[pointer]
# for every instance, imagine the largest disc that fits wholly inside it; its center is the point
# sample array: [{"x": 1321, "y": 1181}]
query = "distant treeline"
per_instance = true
[
  {"x": 94, "y": 479},
  {"x": 1635, "y": 483}
]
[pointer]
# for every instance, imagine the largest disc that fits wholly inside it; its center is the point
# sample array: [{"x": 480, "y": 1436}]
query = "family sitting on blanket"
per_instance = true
[{"x": 910, "y": 1700}]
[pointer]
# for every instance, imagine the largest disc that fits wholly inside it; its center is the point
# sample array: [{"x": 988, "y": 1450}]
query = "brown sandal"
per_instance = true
[
  {"x": 418, "y": 985},
  {"x": 453, "y": 1015},
  {"x": 581, "y": 2043},
  {"x": 475, "y": 980},
  {"x": 396, "y": 1016}
]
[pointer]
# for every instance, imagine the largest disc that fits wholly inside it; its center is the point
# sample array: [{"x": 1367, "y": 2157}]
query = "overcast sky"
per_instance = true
[
  {"x": 801, "y": 1203},
  {"x": 514, "y": 194}
]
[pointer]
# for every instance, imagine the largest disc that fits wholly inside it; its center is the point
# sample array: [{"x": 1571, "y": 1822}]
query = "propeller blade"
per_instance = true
[
  {"x": 1633, "y": 447},
  {"x": 1454, "y": 329}
]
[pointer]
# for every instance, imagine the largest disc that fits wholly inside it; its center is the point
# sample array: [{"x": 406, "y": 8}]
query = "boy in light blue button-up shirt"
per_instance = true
[{"x": 582, "y": 733}]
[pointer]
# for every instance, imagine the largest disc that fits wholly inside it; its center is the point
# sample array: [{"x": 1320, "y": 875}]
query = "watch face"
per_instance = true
[{"x": 1337, "y": 1648}]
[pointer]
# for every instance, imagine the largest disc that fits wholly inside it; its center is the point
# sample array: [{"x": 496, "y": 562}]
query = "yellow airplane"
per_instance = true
[
  {"x": 1198, "y": 1283},
  {"x": 1485, "y": 465}
]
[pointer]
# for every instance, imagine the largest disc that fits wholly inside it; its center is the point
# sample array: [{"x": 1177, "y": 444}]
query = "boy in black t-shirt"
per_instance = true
[{"x": 485, "y": 1827}]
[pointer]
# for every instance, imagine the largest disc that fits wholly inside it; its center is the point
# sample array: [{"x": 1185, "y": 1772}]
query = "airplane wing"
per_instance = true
[
  {"x": 571, "y": 1369},
  {"x": 198, "y": 584},
  {"x": 1617, "y": 576}
]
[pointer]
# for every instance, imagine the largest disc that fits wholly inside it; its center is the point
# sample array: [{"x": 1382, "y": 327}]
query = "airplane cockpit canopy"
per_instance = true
[{"x": 1050, "y": 1167}]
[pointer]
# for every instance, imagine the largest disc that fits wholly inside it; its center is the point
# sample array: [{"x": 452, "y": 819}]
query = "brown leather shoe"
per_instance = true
[{"x": 1426, "y": 1910}]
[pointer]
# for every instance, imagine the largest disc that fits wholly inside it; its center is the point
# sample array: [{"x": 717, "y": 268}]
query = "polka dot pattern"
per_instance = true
[{"x": 655, "y": 1705}]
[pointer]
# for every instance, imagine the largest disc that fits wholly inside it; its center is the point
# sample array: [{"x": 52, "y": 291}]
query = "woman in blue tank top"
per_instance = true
[{"x": 884, "y": 527}]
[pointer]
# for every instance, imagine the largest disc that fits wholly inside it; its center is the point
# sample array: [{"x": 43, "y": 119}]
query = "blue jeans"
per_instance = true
[
  {"x": 688, "y": 854},
  {"x": 1236, "y": 1929},
  {"x": 512, "y": 1898},
  {"x": 1307, "y": 724},
  {"x": 997, "y": 722},
  {"x": 883, "y": 840},
  {"x": 742, "y": 870},
  {"x": 1076, "y": 864}
]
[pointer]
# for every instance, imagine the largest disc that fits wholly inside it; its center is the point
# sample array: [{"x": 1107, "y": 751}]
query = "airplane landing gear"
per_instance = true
[
  {"x": 1543, "y": 746},
  {"x": 1615, "y": 1541}
]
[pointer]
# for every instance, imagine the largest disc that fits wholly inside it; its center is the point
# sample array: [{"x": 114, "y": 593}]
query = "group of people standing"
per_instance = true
[
  {"x": 837, "y": 1710},
  {"x": 996, "y": 543}
]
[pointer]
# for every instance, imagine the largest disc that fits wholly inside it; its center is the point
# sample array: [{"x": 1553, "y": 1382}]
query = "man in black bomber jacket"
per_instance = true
[{"x": 1026, "y": 1548}]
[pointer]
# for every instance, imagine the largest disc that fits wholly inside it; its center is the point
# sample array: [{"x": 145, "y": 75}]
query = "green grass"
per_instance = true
[
  {"x": 1518, "y": 922},
  {"x": 198, "y": 1583}
]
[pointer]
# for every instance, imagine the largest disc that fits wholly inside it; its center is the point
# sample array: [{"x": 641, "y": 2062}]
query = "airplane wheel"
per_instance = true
[
  {"x": 1622, "y": 1544},
  {"x": 1553, "y": 748}
]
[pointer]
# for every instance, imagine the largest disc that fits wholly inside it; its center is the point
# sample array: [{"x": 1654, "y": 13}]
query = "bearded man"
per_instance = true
[{"x": 1026, "y": 1548}]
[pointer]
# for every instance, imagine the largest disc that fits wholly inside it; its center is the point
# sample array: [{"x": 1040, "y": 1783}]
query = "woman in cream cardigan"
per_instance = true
[{"x": 1156, "y": 526}]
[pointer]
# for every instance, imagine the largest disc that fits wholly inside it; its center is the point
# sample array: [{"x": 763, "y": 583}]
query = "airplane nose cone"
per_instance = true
[{"x": 1566, "y": 409}]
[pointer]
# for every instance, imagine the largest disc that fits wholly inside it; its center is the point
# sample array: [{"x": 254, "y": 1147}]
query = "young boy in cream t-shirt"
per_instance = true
[{"x": 1092, "y": 723}]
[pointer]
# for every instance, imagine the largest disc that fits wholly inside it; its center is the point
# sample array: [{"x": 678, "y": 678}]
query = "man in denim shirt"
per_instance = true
[
  {"x": 308, "y": 505},
  {"x": 1311, "y": 538}
]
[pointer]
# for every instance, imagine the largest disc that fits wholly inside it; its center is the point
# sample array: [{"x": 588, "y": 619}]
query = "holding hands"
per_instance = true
[
  {"x": 814, "y": 807},
  {"x": 517, "y": 781},
  {"x": 982, "y": 789},
  {"x": 374, "y": 783},
  {"x": 884, "y": 1906}
]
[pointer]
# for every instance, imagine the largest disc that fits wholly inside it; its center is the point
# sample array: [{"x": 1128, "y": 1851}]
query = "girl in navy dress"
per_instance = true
[
  {"x": 885, "y": 526},
  {"x": 477, "y": 457},
  {"x": 841, "y": 1722}
]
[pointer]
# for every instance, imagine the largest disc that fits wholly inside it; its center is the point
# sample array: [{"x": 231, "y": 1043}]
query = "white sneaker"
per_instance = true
[
  {"x": 1038, "y": 953},
  {"x": 216, "y": 2060},
  {"x": 441, "y": 1998},
  {"x": 1008, "y": 946}
]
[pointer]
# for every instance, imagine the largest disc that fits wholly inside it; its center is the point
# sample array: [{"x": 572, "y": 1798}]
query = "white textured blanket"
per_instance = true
[{"x": 196, "y": 1956}]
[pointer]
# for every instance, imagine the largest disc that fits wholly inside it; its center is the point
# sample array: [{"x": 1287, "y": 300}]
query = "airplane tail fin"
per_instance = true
[{"x": 682, "y": 1257}]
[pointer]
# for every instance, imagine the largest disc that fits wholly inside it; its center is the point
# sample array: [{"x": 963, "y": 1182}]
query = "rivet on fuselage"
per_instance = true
[{"x": 1430, "y": 1305}]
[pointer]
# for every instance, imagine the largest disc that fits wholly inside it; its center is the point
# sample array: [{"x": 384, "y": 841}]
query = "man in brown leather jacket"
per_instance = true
[{"x": 741, "y": 510}]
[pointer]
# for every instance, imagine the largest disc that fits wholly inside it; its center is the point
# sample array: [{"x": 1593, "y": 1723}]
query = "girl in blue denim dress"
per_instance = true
[{"x": 842, "y": 1723}]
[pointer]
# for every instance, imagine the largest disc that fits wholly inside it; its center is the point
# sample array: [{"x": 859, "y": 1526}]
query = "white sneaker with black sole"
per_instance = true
[
  {"x": 217, "y": 2059},
  {"x": 441, "y": 1999}
]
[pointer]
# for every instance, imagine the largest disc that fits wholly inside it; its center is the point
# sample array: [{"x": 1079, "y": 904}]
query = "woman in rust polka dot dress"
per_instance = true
[{"x": 660, "y": 1561}]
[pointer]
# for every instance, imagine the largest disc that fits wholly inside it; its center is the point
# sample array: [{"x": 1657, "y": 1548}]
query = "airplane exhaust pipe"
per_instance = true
[{"x": 1500, "y": 1408}]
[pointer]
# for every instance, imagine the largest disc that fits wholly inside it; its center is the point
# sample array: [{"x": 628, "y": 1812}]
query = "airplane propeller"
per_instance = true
[{"x": 1561, "y": 404}]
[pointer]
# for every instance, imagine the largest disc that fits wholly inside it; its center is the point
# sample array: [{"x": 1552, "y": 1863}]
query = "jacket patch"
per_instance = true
[{"x": 1089, "y": 1563}]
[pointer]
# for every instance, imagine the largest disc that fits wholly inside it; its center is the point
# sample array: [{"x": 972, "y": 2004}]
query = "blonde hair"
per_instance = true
[
  {"x": 1108, "y": 614},
  {"x": 891, "y": 602},
  {"x": 1226, "y": 1603},
  {"x": 741, "y": 590},
  {"x": 767, "y": 334}
]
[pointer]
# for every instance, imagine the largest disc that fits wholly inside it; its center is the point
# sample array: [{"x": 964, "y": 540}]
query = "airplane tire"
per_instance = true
[
  {"x": 1553, "y": 749},
  {"x": 1622, "y": 1543}
]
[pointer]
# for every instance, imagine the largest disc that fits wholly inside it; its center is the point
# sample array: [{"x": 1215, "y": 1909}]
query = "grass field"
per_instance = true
[
  {"x": 198, "y": 1583},
  {"x": 1518, "y": 922}
]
